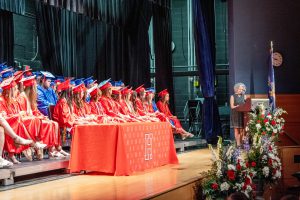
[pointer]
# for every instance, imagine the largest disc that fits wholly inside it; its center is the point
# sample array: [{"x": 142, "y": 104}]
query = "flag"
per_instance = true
[{"x": 271, "y": 81}]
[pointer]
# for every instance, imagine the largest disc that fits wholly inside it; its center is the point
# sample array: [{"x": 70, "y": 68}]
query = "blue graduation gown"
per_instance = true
[{"x": 46, "y": 97}]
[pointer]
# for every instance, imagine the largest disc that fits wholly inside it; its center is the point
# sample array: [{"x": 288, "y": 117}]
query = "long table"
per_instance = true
[{"x": 122, "y": 149}]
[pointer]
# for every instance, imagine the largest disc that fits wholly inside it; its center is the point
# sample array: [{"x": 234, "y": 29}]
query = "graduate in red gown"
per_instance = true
[
  {"x": 96, "y": 107},
  {"x": 138, "y": 104},
  {"x": 108, "y": 104},
  {"x": 81, "y": 109},
  {"x": 163, "y": 106},
  {"x": 49, "y": 130},
  {"x": 122, "y": 107},
  {"x": 24, "y": 126}
]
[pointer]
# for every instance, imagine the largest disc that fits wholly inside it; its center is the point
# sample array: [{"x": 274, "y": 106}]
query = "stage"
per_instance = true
[{"x": 157, "y": 183}]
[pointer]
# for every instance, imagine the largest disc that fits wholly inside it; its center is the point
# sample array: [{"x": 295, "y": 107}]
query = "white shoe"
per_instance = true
[
  {"x": 39, "y": 145},
  {"x": 5, "y": 163},
  {"x": 64, "y": 153}
]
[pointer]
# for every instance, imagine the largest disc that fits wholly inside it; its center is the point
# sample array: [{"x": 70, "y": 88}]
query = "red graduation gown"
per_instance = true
[
  {"x": 11, "y": 115},
  {"x": 48, "y": 131},
  {"x": 164, "y": 108},
  {"x": 62, "y": 114}
]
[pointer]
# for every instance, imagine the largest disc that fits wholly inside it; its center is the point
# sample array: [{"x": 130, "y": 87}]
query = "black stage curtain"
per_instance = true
[
  {"x": 162, "y": 48},
  {"x": 14, "y": 6},
  {"x": 72, "y": 44},
  {"x": 6, "y": 37}
]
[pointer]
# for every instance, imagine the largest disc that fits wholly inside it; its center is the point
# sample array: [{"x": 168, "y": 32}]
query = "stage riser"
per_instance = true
[
  {"x": 7, "y": 175},
  {"x": 184, "y": 192}
]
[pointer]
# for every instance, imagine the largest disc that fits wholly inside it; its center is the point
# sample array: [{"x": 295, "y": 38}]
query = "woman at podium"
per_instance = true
[{"x": 237, "y": 118}]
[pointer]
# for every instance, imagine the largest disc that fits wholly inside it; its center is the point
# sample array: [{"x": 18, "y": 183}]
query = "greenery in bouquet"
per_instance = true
[
  {"x": 229, "y": 173},
  {"x": 266, "y": 122}
]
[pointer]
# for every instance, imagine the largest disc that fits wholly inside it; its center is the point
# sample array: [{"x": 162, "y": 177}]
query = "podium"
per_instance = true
[{"x": 250, "y": 105}]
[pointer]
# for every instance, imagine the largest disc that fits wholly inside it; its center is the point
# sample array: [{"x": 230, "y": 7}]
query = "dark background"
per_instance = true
[{"x": 252, "y": 25}]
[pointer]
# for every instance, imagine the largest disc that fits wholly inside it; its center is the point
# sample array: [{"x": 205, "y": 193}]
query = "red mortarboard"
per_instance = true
[
  {"x": 64, "y": 85},
  {"x": 163, "y": 93},
  {"x": 105, "y": 86},
  {"x": 140, "y": 89},
  {"x": 18, "y": 75},
  {"x": 79, "y": 88},
  {"x": 116, "y": 90},
  {"x": 125, "y": 90},
  {"x": 8, "y": 83},
  {"x": 29, "y": 81},
  {"x": 93, "y": 91}
]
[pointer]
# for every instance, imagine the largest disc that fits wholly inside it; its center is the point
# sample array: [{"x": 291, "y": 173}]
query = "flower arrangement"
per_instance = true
[
  {"x": 265, "y": 156},
  {"x": 229, "y": 173},
  {"x": 234, "y": 169},
  {"x": 265, "y": 122}
]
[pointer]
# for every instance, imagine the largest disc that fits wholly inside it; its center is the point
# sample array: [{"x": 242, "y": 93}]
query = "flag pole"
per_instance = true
[{"x": 273, "y": 74}]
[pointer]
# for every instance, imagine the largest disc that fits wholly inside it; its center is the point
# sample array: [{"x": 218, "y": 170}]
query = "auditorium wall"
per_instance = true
[{"x": 252, "y": 25}]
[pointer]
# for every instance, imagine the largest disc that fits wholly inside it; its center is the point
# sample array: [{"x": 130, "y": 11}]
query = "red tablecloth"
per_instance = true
[{"x": 122, "y": 149}]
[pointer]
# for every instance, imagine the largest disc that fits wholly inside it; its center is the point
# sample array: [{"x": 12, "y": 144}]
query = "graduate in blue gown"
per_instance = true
[{"x": 46, "y": 95}]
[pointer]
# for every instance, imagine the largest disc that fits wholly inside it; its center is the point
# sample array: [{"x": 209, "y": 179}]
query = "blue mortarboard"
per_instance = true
[
  {"x": 2, "y": 64},
  {"x": 47, "y": 75},
  {"x": 103, "y": 83},
  {"x": 9, "y": 72},
  {"x": 78, "y": 81},
  {"x": 37, "y": 73},
  {"x": 117, "y": 83},
  {"x": 150, "y": 89},
  {"x": 88, "y": 81},
  {"x": 3, "y": 67}
]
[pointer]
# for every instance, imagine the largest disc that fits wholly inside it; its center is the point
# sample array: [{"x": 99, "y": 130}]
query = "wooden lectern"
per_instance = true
[{"x": 245, "y": 108}]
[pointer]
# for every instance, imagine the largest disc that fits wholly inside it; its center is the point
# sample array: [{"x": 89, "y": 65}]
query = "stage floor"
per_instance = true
[{"x": 140, "y": 185}]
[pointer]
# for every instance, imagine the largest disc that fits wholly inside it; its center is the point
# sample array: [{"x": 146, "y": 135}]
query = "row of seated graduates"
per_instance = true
[{"x": 70, "y": 102}]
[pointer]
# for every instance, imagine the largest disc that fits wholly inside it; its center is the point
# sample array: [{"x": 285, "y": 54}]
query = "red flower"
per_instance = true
[
  {"x": 258, "y": 121},
  {"x": 266, "y": 120},
  {"x": 270, "y": 148},
  {"x": 253, "y": 187},
  {"x": 230, "y": 174},
  {"x": 263, "y": 133},
  {"x": 247, "y": 164},
  {"x": 282, "y": 127},
  {"x": 262, "y": 116},
  {"x": 273, "y": 122},
  {"x": 251, "y": 175},
  {"x": 238, "y": 167},
  {"x": 270, "y": 161},
  {"x": 215, "y": 186},
  {"x": 253, "y": 164},
  {"x": 247, "y": 181},
  {"x": 244, "y": 187}
]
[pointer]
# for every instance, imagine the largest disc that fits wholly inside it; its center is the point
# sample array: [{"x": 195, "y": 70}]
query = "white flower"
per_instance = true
[
  {"x": 248, "y": 188},
  {"x": 258, "y": 126},
  {"x": 264, "y": 157},
  {"x": 231, "y": 167},
  {"x": 247, "y": 129},
  {"x": 268, "y": 128},
  {"x": 277, "y": 174},
  {"x": 275, "y": 130},
  {"x": 238, "y": 186},
  {"x": 224, "y": 186},
  {"x": 266, "y": 171},
  {"x": 269, "y": 116}
]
